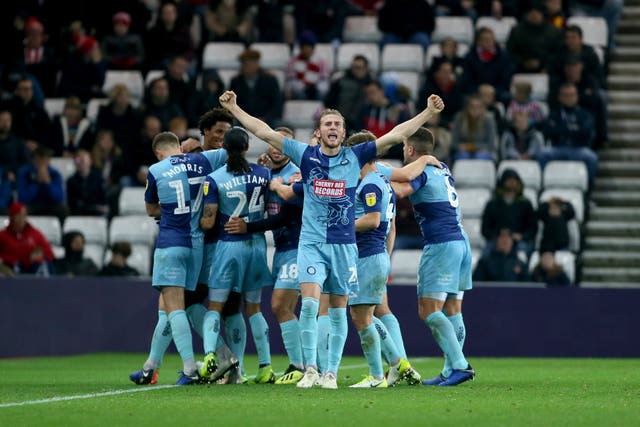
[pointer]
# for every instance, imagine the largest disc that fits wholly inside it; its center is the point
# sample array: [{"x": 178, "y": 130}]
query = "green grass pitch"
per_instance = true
[{"x": 94, "y": 390}]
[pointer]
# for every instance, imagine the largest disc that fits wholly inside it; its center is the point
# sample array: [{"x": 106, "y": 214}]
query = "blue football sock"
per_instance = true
[
  {"x": 195, "y": 314},
  {"x": 159, "y": 342},
  {"x": 309, "y": 330},
  {"x": 458, "y": 326},
  {"x": 236, "y": 331},
  {"x": 181, "y": 332},
  {"x": 393, "y": 327},
  {"x": 291, "y": 339},
  {"x": 445, "y": 336},
  {"x": 260, "y": 332},
  {"x": 370, "y": 341},
  {"x": 337, "y": 337},
  {"x": 211, "y": 329},
  {"x": 387, "y": 344},
  {"x": 323, "y": 342}
]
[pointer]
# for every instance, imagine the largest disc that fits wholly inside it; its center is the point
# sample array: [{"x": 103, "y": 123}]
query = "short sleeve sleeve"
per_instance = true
[
  {"x": 151, "y": 190},
  {"x": 418, "y": 182},
  {"x": 371, "y": 197},
  {"x": 294, "y": 150},
  {"x": 210, "y": 191}
]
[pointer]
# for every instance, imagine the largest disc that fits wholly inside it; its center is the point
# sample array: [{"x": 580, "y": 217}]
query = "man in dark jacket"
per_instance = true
[
  {"x": 502, "y": 263},
  {"x": 74, "y": 263},
  {"x": 406, "y": 21},
  {"x": 346, "y": 94}
]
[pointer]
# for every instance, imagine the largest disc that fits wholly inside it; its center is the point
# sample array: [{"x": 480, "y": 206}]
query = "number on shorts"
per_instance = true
[
  {"x": 289, "y": 271},
  {"x": 354, "y": 274}
]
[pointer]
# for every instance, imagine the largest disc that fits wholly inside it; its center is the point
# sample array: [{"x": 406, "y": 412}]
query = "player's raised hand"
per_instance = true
[
  {"x": 435, "y": 104},
  {"x": 228, "y": 100},
  {"x": 235, "y": 225}
]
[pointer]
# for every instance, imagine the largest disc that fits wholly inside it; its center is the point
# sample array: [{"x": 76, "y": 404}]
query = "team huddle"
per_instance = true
[{"x": 331, "y": 208}]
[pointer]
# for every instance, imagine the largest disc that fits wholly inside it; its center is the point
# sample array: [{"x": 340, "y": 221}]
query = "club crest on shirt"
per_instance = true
[{"x": 370, "y": 199}]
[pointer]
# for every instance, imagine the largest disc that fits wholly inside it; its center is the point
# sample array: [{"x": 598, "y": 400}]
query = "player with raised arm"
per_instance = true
[
  {"x": 237, "y": 190},
  {"x": 327, "y": 253},
  {"x": 444, "y": 273}
]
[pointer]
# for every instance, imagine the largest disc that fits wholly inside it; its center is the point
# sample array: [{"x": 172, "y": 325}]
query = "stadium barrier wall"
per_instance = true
[{"x": 64, "y": 316}]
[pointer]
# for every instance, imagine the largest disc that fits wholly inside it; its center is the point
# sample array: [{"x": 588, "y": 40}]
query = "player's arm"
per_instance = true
[
  {"x": 252, "y": 124},
  {"x": 151, "y": 199},
  {"x": 368, "y": 221},
  {"x": 153, "y": 209},
  {"x": 239, "y": 226},
  {"x": 408, "y": 128},
  {"x": 209, "y": 213},
  {"x": 414, "y": 169},
  {"x": 391, "y": 237},
  {"x": 402, "y": 189},
  {"x": 285, "y": 192}
]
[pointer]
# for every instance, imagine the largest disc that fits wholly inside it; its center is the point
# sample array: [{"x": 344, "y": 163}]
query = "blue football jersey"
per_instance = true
[
  {"x": 374, "y": 194},
  {"x": 237, "y": 195},
  {"x": 176, "y": 183},
  {"x": 435, "y": 205},
  {"x": 384, "y": 170},
  {"x": 285, "y": 238},
  {"x": 330, "y": 183}
]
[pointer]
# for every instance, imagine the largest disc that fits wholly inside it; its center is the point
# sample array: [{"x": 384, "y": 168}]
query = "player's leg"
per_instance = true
[
  {"x": 323, "y": 333},
  {"x": 260, "y": 333},
  {"x": 386, "y": 316},
  {"x": 211, "y": 331},
  {"x": 362, "y": 317},
  {"x": 181, "y": 332},
  {"x": 160, "y": 341},
  {"x": 453, "y": 311},
  {"x": 236, "y": 334}
]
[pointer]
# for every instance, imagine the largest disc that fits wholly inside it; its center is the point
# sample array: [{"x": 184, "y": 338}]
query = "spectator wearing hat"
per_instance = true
[
  {"x": 258, "y": 91},
  {"x": 85, "y": 188},
  {"x": 13, "y": 149},
  {"x": 30, "y": 119},
  {"x": 83, "y": 73},
  {"x": 120, "y": 117},
  {"x": 533, "y": 41},
  {"x": 307, "y": 75},
  {"x": 120, "y": 252},
  {"x": 123, "y": 50},
  {"x": 169, "y": 37},
  {"x": 22, "y": 246},
  {"x": 40, "y": 185},
  {"x": 74, "y": 263},
  {"x": 71, "y": 130},
  {"x": 406, "y": 21}
]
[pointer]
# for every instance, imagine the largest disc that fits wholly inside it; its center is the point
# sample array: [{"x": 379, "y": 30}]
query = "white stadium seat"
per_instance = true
[
  {"x": 529, "y": 171},
  {"x": 565, "y": 174},
  {"x": 133, "y": 229},
  {"x": 152, "y": 75},
  {"x": 65, "y": 165},
  {"x": 473, "y": 228},
  {"x": 500, "y": 27},
  {"x": 434, "y": 51},
  {"x": 595, "y": 31},
  {"x": 475, "y": 257},
  {"x": 300, "y": 114},
  {"x": 402, "y": 57},
  {"x": 347, "y": 51},
  {"x": 532, "y": 195},
  {"x": 404, "y": 265},
  {"x": 539, "y": 84},
  {"x": 326, "y": 51},
  {"x": 474, "y": 173},
  {"x": 459, "y": 28},
  {"x": 303, "y": 134},
  {"x": 361, "y": 29},
  {"x": 140, "y": 258},
  {"x": 273, "y": 55},
  {"x": 279, "y": 75},
  {"x": 93, "y": 107},
  {"x": 565, "y": 258},
  {"x": 94, "y": 228},
  {"x": 572, "y": 195},
  {"x": 49, "y": 226},
  {"x": 409, "y": 79},
  {"x": 131, "y": 201},
  {"x": 54, "y": 106},
  {"x": 221, "y": 55},
  {"x": 226, "y": 75},
  {"x": 95, "y": 253},
  {"x": 473, "y": 201},
  {"x": 133, "y": 80}
]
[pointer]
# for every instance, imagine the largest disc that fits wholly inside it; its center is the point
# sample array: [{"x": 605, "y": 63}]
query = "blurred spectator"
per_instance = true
[
  {"x": 486, "y": 62},
  {"x": 442, "y": 81},
  {"x": 40, "y": 186},
  {"x": 230, "y": 21},
  {"x": 123, "y": 50},
  {"x": 474, "y": 134},
  {"x": 459, "y": 8},
  {"x": 610, "y": 10},
  {"x": 120, "y": 117},
  {"x": 141, "y": 155},
  {"x": 83, "y": 73},
  {"x": 510, "y": 210},
  {"x": 139, "y": 12},
  {"x": 6, "y": 194},
  {"x": 30, "y": 119},
  {"x": 449, "y": 49},
  {"x": 167, "y": 38},
  {"x": 441, "y": 138},
  {"x": 573, "y": 46},
  {"x": 85, "y": 188},
  {"x": 549, "y": 272},
  {"x": 74, "y": 263},
  {"x": 346, "y": 94},
  {"x": 307, "y": 75},
  {"x": 325, "y": 19},
  {"x": 178, "y": 125},
  {"x": 71, "y": 130},
  {"x": 37, "y": 57},
  {"x": 23, "y": 247},
  {"x": 533, "y": 41},
  {"x": 487, "y": 95},
  {"x": 181, "y": 90},
  {"x": 556, "y": 13},
  {"x": 207, "y": 97},
  {"x": 521, "y": 141},
  {"x": 555, "y": 215},
  {"x": 406, "y": 21},
  {"x": 379, "y": 115},
  {"x": 367, "y": 7},
  {"x": 408, "y": 234},
  {"x": 158, "y": 102},
  {"x": 501, "y": 263},
  {"x": 258, "y": 91},
  {"x": 274, "y": 21},
  {"x": 213, "y": 125},
  {"x": 570, "y": 129},
  {"x": 118, "y": 266},
  {"x": 13, "y": 149},
  {"x": 522, "y": 102},
  {"x": 107, "y": 158}
]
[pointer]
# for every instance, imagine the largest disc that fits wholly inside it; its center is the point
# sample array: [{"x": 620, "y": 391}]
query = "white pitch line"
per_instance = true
[{"x": 135, "y": 390}]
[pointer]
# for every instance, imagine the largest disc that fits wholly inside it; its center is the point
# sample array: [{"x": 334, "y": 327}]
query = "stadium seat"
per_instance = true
[
  {"x": 279, "y": 75},
  {"x": 273, "y": 55},
  {"x": 226, "y": 75},
  {"x": 133, "y": 80},
  {"x": 94, "y": 106},
  {"x": 256, "y": 148},
  {"x": 475, "y": 257},
  {"x": 347, "y": 51},
  {"x": 133, "y": 229},
  {"x": 459, "y": 28},
  {"x": 402, "y": 57},
  {"x": 58, "y": 251},
  {"x": 565, "y": 174},
  {"x": 221, "y": 55},
  {"x": 474, "y": 173},
  {"x": 326, "y": 51},
  {"x": 539, "y": 84},
  {"x": 361, "y": 29},
  {"x": 500, "y": 27},
  {"x": 565, "y": 258},
  {"x": 4, "y": 221},
  {"x": 303, "y": 134},
  {"x": 404, "y": 265},
  {"x": 94, "y": 228},
  {"x": 529, "y": 171},
  {"x": 49, "y": 226},
  {"x": 473, "y": 201},
  {"x": 131, "y": 201},
  {"x": 65, "y": 165},
  {"x": 473, "y": 228},
  {"x": 140, "y": 259},
  {"x": 300, "y": 114},
  {"x": 54, "y": 106},
  {"x": 434, "y": 50},
  {"x": 152, "y": 75},
  {"x": 572, "y": 195},
  {"x": 594, "y": 29},
  {"x": 95, "y": 252},
  {"x": 409, "y": 79},
  {"x": 532, "y": 195}
]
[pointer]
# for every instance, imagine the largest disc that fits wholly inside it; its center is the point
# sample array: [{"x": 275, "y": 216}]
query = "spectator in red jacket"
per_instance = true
[{"x": 22, "y": 246}]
